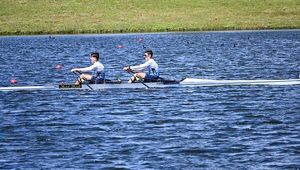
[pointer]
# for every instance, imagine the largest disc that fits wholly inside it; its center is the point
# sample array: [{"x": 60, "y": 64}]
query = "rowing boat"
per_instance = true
[{"x": 187, "y": 82}]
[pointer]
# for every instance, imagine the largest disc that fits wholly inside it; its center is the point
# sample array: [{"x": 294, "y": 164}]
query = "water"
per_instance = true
[{"x": 232, "y": 127}]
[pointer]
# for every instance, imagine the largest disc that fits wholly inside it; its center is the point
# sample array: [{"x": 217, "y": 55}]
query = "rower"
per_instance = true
[
  {"x": 97, "y": 69},
  {"x": 150, "y": 67}
]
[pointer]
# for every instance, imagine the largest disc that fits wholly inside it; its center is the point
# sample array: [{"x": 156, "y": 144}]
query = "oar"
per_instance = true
[
  {"x": 131, "y": 73},
  {"x": 78, "y": 75}
]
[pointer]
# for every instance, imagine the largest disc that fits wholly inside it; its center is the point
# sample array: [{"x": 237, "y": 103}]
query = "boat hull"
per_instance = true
[
  {"x": 188, "y": 82},
  {"x": 209, "y": 82}
]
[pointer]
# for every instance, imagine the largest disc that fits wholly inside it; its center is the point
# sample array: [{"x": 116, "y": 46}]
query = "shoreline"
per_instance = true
[{"x": 151, "y": 32}]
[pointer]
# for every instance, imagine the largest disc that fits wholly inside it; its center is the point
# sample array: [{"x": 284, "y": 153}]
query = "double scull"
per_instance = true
[{"x": 187, "y": 82}]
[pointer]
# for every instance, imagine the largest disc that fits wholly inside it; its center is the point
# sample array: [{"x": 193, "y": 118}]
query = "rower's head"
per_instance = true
[
  {"x": 95, "y": 57},
  {"x": 148, "y": 54}
]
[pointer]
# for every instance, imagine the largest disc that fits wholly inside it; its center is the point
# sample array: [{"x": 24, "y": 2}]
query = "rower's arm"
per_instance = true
[
  {"x": 86, "y": 69},
  {"x": 141, "y": 66}
]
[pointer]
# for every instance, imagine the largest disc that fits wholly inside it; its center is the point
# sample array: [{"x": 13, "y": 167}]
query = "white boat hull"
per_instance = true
[
  {"x": 209, "y": 82},
  {"x": 183, "y": 83}
]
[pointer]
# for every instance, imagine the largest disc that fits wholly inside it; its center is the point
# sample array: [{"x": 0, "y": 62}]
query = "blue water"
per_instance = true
[{"x": 231, "y": 127}]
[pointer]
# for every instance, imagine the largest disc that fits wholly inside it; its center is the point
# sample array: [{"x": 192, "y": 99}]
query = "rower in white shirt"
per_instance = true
[
  {"x": 97, "y": 69},
  {"x": 147, "y": 71}
]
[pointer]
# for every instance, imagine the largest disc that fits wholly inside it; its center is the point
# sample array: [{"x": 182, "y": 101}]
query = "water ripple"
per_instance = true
[{"x": 229, "y": 127}]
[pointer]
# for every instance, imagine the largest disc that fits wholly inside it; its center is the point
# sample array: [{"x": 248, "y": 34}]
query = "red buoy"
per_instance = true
[
  {"x": 13, "y": 81},
  {"x": 120, "y": 46},
  {"x": 58, "y": 67},
  {"x": 141, "y": 39}
]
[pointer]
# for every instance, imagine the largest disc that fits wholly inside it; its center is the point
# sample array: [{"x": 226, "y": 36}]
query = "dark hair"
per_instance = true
[
  {"x": 96, "y": 55},
  {"x": 149, "y": 52}
]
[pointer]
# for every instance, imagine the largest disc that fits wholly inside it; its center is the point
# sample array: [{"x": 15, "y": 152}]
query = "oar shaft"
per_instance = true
[
  {"x": 131, "y": 73},
  {"x": 77, "y": 73}
]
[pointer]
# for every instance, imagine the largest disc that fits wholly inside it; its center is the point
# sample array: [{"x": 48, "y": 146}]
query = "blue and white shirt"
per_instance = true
[
  {"x": 97, "y": 70},
  {"x": 150, "y": 66}
]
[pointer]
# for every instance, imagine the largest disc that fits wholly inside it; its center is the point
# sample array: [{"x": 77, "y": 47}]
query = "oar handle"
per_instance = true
[{"x": 77, "y": 72}]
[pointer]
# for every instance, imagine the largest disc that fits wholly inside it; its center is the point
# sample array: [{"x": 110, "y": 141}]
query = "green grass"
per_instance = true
[{"x": 112, "y": 16}]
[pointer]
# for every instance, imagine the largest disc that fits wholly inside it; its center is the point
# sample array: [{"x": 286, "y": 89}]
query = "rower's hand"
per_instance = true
[
  {"x": 127, "y": 68},
  {"x": 74, "y": 70}
]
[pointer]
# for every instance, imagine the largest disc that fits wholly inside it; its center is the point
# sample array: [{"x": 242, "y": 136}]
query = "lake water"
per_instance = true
[{"x": 231, "y": 127}]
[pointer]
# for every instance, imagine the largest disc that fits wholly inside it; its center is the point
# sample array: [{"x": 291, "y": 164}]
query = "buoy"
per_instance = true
[
  {"x": 58, "y": 67},
  {"x": 141, "y": 39},
  {"x": 120, "y": 46},
  {"x": 13, "y": 81}
]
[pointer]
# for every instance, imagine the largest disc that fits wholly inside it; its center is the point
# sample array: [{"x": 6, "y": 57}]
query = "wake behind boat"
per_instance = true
[{"x": 187, "y": 82}]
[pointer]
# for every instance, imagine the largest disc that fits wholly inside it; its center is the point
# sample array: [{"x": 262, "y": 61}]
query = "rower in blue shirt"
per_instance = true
[
  {"x": 147, "y": 71},
  {"x": 97, "y": 69}
]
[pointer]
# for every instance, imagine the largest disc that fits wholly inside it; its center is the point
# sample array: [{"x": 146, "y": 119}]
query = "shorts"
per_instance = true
[
  {"x": 149, "y": 77},
  {"x": 96, "y": 80}
]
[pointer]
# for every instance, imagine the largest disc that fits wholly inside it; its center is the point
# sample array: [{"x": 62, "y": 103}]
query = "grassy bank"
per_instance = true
[{"x": 112, "y": 16}]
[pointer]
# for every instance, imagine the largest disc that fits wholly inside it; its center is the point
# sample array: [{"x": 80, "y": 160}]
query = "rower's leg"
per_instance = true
[
  {"x": 140, "y": 75},
  {"x": 86, "y": 77},
  {"x": 132, "y": 79},
  {"x": 82, "y": 78},
  {"x": 137, "y": 75},
  {"x": 78, "y": 81}
]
